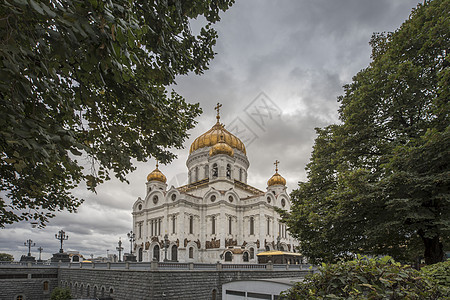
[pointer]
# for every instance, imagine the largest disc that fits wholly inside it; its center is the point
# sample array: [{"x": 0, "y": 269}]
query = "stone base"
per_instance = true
[
  {"x": 130, "y": 258},
  {"x": 63, "y": 257},
  {"x": 26, "y": 258}
]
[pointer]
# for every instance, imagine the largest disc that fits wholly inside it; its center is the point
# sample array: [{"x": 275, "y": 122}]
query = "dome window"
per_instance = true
[
  {"x": 283, "y": 202},
  {"x": 230, "y": 198},
  {"x": 213, "y": 198},
  {"x": 140, "y": 207},
  {"x": 174, "y": 197},
  {"x": 155, "y": 199}
]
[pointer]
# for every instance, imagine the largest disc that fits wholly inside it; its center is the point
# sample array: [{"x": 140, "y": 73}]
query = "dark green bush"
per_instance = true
[
  {"x": 60, "y": 294},
  {"x": 439, "y": 273},
  {"x": 366, "y": 278}
]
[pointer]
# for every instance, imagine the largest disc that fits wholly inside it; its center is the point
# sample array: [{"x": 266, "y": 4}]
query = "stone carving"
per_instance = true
[
  {"x": 230, "y": 242},
  {"x": 155, "y": 239},
  {"x": 178, "y": 243},
  {"x": 244, "y": 244},
  {"x": 289, "y": 247},
  {"x": 199, "y": 245},
  {"x": 257, "y": 243},
  {"x": 186, "y": 241},
  {"x": 147, "y": 245},
  {"x": 212, "y": 244}
]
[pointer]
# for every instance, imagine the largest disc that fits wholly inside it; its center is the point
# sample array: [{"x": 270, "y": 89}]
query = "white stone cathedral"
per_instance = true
[{"x": 217, "y": 216}]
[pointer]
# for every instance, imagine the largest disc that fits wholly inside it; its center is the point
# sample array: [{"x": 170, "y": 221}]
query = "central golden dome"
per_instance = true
[
  {"x": 213, "y": 137},
  {"x": 221, "y": 148}
]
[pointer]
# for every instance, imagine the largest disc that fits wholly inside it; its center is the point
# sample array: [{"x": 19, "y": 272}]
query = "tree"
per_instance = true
[
  {"x": 6, "y": 257},
  {"x": 366, "y": 279},
  {"x": 378, "y": 182},
  {"x": 86, "y": 80}
]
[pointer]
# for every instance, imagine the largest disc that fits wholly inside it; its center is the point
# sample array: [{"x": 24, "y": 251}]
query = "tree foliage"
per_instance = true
[
  {"x": 366, "y": 279},
  {"x": 6, "y": 257},
  {"x": 60, "y": 294},
  {"x": 378, "y": 183},
  {"x": 87, "y": 80}
]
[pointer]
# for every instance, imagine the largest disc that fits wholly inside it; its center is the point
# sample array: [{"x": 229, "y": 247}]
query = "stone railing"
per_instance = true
[{"x": 162, "y": 266}]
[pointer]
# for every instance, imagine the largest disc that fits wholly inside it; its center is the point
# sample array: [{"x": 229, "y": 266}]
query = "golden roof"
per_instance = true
[
  {"x": 156, "y": 174},
  {"x": 276, "y": 178},
  {"x": 221, "y": 148},
  {"x": 276, "y": 252},
  {"x": 213, "y": 137}
]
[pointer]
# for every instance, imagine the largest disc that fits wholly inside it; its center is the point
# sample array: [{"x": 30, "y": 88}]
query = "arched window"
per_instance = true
[
  {"x": 267, "y": 248},
  {"x": 95, "y": 291},
  {"x": 213, "y": 225},
  {"x": 191, "y": 252},
  {"x": 252, "y": 253},
  {"x": 230, "y": 224},
  {"x": 214, "y": 294},
  {"x": 45, "y": 286},
  {"x": 268, "y": 226},
  {"x": 173, "y": 224},
  {"x": 88, "y": 291},
  {"x": 81, "y": 290},
  {"x": 228, "y": 171},
  {"x": 240, "y": 174},
  {"x": 228, "y": 256},
  {"x": 206, "y": 171},
  {"x": 156, "y": 253},
  {"x": 75, "y": 258},
  {"x": 215, "y": 171},
  {"x": 19, "y": 297},
  {"x": 245, "y": 256},
  {"x": 140, "y": 254},
  {"x": 102, "y": 293},
  {"x": 252, "y": 226},
  {"x": 196, "y": 174},
  {"x": 174, "y": 252},
  {"x": 191, "y": 224}
]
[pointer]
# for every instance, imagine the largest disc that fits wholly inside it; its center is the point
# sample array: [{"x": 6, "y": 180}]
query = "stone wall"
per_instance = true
[
  {"x": 158, "y": 284},
  {"x": 32, "y": 283}
]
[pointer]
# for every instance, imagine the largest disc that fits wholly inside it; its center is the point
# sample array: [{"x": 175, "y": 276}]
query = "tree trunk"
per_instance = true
[{"x": 434, "y": 251}]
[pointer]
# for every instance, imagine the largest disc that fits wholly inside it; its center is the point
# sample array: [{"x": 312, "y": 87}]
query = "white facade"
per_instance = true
[{"x": 217, "y": 216}]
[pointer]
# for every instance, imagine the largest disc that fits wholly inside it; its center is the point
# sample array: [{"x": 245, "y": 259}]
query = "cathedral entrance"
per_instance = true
[
  {"x": 174, "y": 253},
  {"x": 156, "y": 253}
]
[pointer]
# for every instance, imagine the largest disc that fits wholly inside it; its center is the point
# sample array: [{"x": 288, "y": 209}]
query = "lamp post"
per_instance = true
[
  {"x": 132, "y": 238},
  {"x": 166, "y": 245},
  {"x": 120, "y": 248},
  {"x": 61, "y": 236},
  {"x": 30, "y": 244},
  {"x": 40, "y": 251}
]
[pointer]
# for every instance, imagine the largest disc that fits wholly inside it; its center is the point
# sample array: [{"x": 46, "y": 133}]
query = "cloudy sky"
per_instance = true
[{"x": 279, "y": 68}]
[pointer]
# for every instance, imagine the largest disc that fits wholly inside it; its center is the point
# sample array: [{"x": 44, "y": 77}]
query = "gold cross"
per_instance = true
[
  {"x": 276, "y": 165},
  {"x": 218, "y": 108}
]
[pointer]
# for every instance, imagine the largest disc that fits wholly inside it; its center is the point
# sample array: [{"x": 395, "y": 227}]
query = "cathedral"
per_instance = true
[{"x": 217, "y": 216}]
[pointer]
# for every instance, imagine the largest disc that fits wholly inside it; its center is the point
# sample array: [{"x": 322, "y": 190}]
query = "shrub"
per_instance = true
[
  {"x": 60, "y": 294},
  {"x": 440, "y": 274},
  {"x": 366, "y": 278}
]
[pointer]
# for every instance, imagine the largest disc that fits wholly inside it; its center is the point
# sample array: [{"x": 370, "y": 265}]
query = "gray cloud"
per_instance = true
[{"x": 299, "y": 53}]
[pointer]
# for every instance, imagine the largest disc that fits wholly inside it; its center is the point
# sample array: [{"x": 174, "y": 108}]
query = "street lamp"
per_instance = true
[
  {"x": 30, "y": 244},
  {"x": 61, "y": 236},
  {"x": 132, "y": 238},
  {"x": 166, "y": 245},
  {"x": 120, "y": 248}
]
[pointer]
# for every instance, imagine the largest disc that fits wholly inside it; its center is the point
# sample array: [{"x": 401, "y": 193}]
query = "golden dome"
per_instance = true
[
  {"x": 276, "y": 178},
  {"x": 156, "y": 174},
  {"x": 212, "y": 137},
  {"x": 221, "y": 148}
]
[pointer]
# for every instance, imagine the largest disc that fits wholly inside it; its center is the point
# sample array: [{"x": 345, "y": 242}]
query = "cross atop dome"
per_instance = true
[
  {"x": 276, "y": 165},
  {"x": 218, "y": 111}
]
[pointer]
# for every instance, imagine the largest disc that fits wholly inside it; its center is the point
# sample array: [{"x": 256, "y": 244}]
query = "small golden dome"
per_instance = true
[
  {"x": 221, "y": 148},
  {"x": 276, "y": 178},
  {"x": 212, "y": 137},
  {"x": 156, "y": 174}
]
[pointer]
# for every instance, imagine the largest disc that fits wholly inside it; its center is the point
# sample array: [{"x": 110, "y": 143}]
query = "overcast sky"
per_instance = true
[{"x": 280, "y": 66}]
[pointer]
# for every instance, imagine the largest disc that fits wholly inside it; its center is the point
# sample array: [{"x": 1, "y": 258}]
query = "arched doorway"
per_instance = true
[
  {"x": 174, "y": 252},
  {"x": 228, "y": 256},
  {"x": 245, "y": 256},
  {"x": 156, "y": 253},
  {"x": 140, "y": 254}
]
